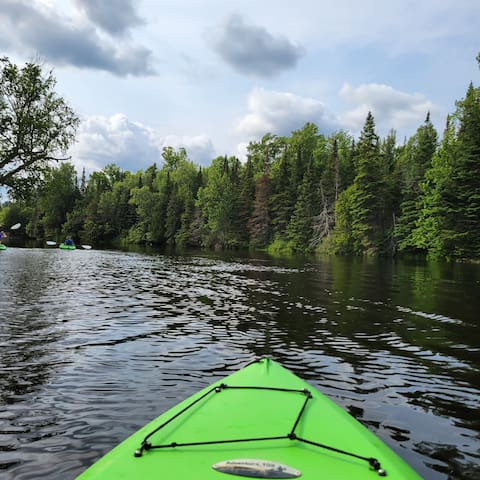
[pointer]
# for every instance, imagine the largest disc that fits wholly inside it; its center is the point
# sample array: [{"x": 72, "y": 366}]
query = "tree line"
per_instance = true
[{"x": 306, "y": 192}]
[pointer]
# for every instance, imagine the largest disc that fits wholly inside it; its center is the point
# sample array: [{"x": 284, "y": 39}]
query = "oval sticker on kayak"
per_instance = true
[{"x": 252, "y": 467}]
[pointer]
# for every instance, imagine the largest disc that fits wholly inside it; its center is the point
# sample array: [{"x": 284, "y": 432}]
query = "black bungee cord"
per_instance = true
[{"x": 146, "y": 445}]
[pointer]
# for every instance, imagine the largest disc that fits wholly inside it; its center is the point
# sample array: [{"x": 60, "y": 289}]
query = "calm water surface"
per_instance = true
[{"x": 93, "y": 344}]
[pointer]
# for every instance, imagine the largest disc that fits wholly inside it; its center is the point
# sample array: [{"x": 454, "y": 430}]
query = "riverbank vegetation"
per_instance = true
[{"x": 307, "y": 192}]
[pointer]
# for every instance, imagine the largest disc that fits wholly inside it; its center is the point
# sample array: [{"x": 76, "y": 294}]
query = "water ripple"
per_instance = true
[{"x": 94, "y": 344}]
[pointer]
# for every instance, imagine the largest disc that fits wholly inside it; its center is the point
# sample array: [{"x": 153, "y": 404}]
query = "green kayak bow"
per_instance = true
[{"x": 261, "y": 421}]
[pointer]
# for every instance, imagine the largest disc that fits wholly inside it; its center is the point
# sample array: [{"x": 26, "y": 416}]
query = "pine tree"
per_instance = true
[
  {"x": 449, "y": 224},
  {"x": 158, "y": 214},
  {"x": 246, "y": 197},
  {"x": 435, "y": 231},
  {"x": 388, "y": 194},
  {"x": 342, "y": 240},
  {"x": 83, "y": 183},
  {"x": 173, "y": 216},
  {"x": 414, "y": 160},
  {"x": 300, "y": 227},
  {"x": 259, "y": 222},
  {"x": 282, "y": 199},
  {"x": 330, "y": 189},
  {"x": 466, "y": 175},
  {"x": 365, "y": 198}
]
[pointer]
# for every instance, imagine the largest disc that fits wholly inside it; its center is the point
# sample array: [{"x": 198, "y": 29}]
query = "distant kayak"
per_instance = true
[
  {"x": 2, "y": 246},
  {"x": 67, "y": 247},
  {"x": 261, "y": 421}
]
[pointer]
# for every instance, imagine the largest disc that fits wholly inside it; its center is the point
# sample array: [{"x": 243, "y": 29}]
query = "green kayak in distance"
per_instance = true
[
  {"x": 261, "y": 421},
  {"x": 67, "y": 247},
  {"x": 2, "y": 246}
]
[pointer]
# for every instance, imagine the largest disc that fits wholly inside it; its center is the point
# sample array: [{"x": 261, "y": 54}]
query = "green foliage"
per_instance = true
[
  {"x": 259, "y": 222},
  {"x": 343, "y": 240},
  {"x": 449, "y": 222},
  {"x": 282, "y": 198},
  {"x": 36, "y": 126},
  {"x": 361, "y": 208},
  {"x": 300, "y": 227},
  {"x": 148, "y": 203},
  {"x": 56, "y": 199},
  {"x": 280, "y": 247},
  {"x": 217, "y": 199},
  {"x": 466, "y": 175},
  {"x": 302, "y": 146},
  {"x": 414, "y": 160},
  {"x": 17, "y": 212},
  {"x": 245, "y": 201},
  {"x": 266, "y": 152}
]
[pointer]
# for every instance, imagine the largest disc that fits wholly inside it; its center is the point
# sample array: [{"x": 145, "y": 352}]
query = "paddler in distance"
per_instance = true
[
  {"x": 69, "y": 241},
  {"x": 3, "y": 235}
]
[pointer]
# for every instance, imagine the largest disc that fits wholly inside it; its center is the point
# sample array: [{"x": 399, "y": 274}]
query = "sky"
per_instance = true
[{"x": 213, "y": 75}]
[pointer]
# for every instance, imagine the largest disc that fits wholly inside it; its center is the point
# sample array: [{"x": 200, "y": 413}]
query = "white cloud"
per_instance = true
[
  {"x": 241, "y": 151},
  {"x": 390, "y": 107},
  {"x": 103, "y": 140},
  {"x": 130, "y": 145},
  {"x": 281, "y": 113}
]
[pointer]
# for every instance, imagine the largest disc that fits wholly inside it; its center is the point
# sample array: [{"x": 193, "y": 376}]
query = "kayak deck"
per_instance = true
[{"x": 261, "y": 412}]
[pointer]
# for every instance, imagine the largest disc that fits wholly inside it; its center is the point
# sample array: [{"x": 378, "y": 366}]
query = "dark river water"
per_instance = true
[{"x": 93, "y": 344}]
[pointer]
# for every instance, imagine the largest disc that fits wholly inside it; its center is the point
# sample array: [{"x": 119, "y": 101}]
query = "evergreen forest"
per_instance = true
[{"x": 303, "y": 193}]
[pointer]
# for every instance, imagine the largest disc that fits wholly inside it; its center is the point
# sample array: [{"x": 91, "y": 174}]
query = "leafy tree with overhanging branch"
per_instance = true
[{"x": 37, "y": 126}]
